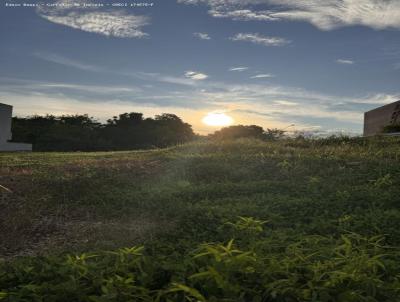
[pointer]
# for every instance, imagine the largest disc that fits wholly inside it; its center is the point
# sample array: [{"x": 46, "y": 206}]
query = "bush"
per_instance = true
[
  {"x": 392, "y": 128},
  {"x": 313, "y": 268},
  {"x": 83, "y": 133}
]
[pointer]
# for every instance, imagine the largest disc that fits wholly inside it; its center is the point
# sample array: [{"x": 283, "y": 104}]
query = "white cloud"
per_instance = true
[
  {"x": 240, "y": 68},
  {"x": 54, "y": 58},
  {"x": 58, "y": 59},
  {"x": 324, "y": 14},
  {"x": 242, "y": 14},
  {"x": 285, "y": 103},
  {"x": 58, "y": 105},
  {"x": 345, "y": 61},
  {"x": 202, "y": 36},
  {"x": 266, "y": 105},
  {"x": 259, "y": 39},
  {"x": 263, "y": 75},
  {"x": 88, "y": 88},
  {"x": 96, "y": 94},
  {"x": 378, "y": 99},
  {"x": 190, "y": 79},
  {"x": 60, "y": 88},
  {"x": 282, "y": 103},
  {"x": 115, "y": 23},
  {"x": 193, "y": 75},
  {"x": 171, "y": 79}
]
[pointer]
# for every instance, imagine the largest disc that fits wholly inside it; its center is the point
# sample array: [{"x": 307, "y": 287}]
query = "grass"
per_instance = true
[{"x": 311, "y": 220}]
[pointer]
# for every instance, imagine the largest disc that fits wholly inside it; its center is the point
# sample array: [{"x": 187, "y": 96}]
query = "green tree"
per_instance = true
[{"x": 239, "y": 131}]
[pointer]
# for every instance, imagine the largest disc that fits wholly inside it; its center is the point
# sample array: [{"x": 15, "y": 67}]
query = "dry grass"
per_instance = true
[{"x": 39, "y": 211}]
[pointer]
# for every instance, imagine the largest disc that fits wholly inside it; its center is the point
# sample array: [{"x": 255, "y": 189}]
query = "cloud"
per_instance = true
[
  {"x": 289, "y": 104},
  {"x": 44, "y": 104},
  {"x": 202, "y": 36},
  {"x": 378, "y": 99},
  {"x": 193, "y": 75},
  {"x": 241, "y": 68},
  {"x": 285, "y": 103},
  {"x": 60, "y": 88},
  {"x": 261, "y": 76},
  {"x": 344, "y": 61},
  {"x": 190, "y": 79},
  {"x": 267, "y": 105},
  {"x": 88, "y": 88},
  {"x": 96, "y": 94},
  {"x": 326, "y": 15},
  {"x": 54, "y": 58},
  {"x": 259, "y": 39},
  {"x": 243, "y": 15},
  {"x": 112, "y": 23}
]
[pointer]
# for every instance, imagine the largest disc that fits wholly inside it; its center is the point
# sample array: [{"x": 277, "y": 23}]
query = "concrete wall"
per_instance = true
[
  {"x": 5, "y": 131},
  {"x": 375, "y": 120},
  {"x": 8, "y": 147},
  {"x": 5, "y": 122}
]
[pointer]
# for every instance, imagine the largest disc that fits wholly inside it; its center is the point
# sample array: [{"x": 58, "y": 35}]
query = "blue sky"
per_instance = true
[{"x": 316, "y": 64}]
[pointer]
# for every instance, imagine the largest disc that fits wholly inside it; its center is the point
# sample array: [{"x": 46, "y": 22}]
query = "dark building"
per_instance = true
[{"x": 376, "y": 119}]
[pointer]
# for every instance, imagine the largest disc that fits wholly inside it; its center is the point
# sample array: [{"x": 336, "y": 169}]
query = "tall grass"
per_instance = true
[{"x": 244, "y": 220}]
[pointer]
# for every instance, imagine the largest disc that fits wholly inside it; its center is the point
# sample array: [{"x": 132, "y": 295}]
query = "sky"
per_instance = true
[{"x": 315, "y": 64}]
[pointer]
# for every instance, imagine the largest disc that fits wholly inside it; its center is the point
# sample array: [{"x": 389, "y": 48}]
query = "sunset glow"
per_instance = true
[{"x": 217, "y": 119}]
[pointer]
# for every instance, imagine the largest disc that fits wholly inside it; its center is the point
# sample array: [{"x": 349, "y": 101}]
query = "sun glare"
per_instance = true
[{"x": 217, "y": 119}]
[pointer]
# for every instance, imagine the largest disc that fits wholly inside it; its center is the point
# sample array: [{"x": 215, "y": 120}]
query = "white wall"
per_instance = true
[
  {"x": 6, "y": 147},
  {"x": 5, "y": 131},
  {"x": 5, "y": 122}
]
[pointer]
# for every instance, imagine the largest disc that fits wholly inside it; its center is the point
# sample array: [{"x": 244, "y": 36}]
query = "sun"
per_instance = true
[{"x": 217, "y": 119}]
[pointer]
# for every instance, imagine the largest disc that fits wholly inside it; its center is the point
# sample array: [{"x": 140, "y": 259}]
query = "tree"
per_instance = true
[
  {"x": 274, "y": 133},
  {"x": 83, "y": 133},
  {"x": 131, "y": 131},
  {"x": 171, "y": 130},
  {"x": 239, "y": 131},
  {"x": 392, "y": 128},
  {"x": 63, "y": 133},
  {"x": 126, "y": 119}
]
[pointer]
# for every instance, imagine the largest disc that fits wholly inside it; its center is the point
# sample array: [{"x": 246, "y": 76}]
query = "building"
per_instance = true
[
  {"x": 376, "y": 119},
  {"x": 5, "y": 131}
]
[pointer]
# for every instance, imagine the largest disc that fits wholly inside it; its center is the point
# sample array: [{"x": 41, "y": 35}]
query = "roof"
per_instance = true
[
  {"x": 5, "y": 105},
  {"x": 387, "y": 105}
]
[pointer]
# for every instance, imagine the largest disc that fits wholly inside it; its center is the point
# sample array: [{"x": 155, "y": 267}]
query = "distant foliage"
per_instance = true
[
  {"x": 274, "y": 133},
  {"x": 392, "y": 128},
  {"x": 251, "y": 131},
  {"x": 239, "y": 131},
  {"x": 84, "y": 133}
]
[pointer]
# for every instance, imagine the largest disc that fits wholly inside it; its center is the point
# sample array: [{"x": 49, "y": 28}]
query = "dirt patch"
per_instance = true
[
  {"x": 52, "y": 235},
  {"x": 49, "y": 207},
  {"x": 14, "y": 180},
  {"x": 134, "y": 166}
]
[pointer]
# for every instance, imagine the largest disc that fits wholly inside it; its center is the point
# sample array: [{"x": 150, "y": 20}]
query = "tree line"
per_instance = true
[
  {"x": 83, "y": 133},
  {"x": 126, "y": 131}
]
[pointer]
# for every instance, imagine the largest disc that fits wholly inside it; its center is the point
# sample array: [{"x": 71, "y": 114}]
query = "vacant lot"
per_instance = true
[{"x": 311, "y": 221}]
